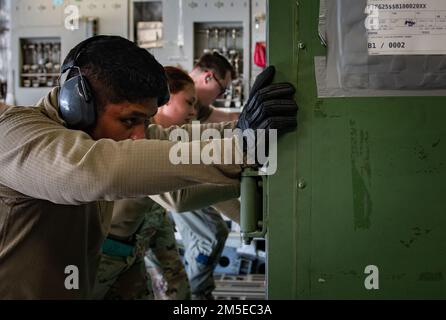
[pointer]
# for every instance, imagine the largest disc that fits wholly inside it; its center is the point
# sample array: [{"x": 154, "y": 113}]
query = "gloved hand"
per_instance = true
[{"x": 270, "y": 106}]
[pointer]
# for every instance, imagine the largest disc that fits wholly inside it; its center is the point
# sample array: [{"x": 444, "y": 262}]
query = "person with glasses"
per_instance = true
[
  {"x": 223, "y": 90},
  {"x": 212, "y": 75}
]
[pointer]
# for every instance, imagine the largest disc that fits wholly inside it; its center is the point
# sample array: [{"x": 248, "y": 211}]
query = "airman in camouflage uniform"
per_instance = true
[{"x": 122, "y": 276}]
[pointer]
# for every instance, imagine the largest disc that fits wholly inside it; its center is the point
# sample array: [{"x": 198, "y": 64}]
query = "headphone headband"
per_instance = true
[{"x": 80, "y": 48}]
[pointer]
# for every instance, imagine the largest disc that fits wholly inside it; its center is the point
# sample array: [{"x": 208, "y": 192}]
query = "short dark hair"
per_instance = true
[
  {"x": 177, "y": 79},
  {"x": 118, "y": 70},
  {"x": 217, "y": 63}
]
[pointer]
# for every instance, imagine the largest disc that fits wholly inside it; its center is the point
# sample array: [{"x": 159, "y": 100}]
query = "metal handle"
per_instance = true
[{"x": 252, "y": 218}]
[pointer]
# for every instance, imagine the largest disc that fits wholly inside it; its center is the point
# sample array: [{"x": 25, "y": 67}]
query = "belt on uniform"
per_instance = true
[{"x": 117, "y": 248}]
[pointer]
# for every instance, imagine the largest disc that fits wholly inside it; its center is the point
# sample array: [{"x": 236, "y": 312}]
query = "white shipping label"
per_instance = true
[{"x": 406, "y": 27}]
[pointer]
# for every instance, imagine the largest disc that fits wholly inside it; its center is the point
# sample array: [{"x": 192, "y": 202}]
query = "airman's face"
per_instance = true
[{"x": 124, "y": 120}]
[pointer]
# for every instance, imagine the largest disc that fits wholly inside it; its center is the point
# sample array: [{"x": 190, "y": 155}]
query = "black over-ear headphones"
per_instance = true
[{"x": 76, "y": 100}]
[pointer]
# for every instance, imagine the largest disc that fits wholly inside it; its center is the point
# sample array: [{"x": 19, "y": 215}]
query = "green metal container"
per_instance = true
[{"x": 359, "y": 186}]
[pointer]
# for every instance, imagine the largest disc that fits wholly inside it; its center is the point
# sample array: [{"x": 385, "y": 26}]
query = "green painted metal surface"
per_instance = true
[
  {"x": 371, "y": 173},
  {"x": 251, "y": 208}
]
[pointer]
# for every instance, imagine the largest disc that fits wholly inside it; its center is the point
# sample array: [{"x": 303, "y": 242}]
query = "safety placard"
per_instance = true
[{"x": 406, "y": 27}]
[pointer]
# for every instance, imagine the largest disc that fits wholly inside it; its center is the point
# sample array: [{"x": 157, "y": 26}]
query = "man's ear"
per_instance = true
[{"x": 207, "y": 76}]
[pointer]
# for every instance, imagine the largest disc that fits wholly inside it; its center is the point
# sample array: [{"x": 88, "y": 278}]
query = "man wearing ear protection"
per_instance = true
[
  {"x": 80, "y": 148},
  {"x": 212, "y": 75}
]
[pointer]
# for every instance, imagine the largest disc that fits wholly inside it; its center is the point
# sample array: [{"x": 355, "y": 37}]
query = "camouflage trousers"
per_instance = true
[
  {"x": 163, "y": 262},
  {"x": 127, "y": 277},
  {"x": 122, "y": 278}
]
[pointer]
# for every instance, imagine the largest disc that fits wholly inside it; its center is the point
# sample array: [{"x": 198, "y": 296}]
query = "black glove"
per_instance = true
[{"x": 270, "y": 106}]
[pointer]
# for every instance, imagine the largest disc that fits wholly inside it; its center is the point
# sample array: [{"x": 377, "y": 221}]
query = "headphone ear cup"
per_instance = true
[
  {"x": 86, "y": 90},
  {"x": 76, "y": 103}
]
